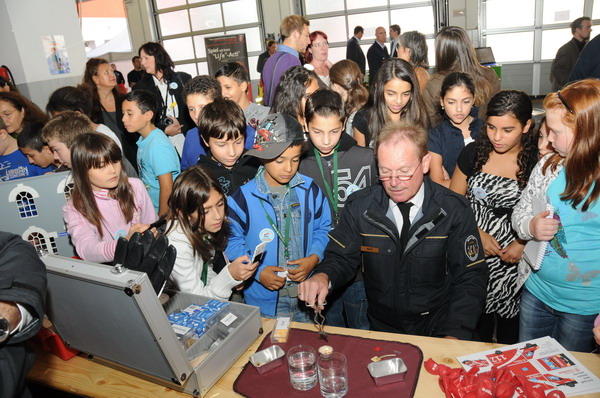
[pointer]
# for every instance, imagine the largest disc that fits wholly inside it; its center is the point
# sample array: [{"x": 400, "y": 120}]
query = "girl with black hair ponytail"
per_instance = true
[{"x": 492, "y": 172}]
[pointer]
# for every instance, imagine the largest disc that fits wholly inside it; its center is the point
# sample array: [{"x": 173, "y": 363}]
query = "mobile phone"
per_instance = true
[{"x": 258, "y": 252}]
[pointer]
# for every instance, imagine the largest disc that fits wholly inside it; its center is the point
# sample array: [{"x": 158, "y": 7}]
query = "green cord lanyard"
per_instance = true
[
  {"x": 205, "y": 266},
  {"x": 288, "y": 219},
  {"x": 333, "y": 196}
]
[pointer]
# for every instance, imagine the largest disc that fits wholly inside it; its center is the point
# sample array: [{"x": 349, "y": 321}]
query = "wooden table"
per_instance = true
[{"x": 84, "y": 377}]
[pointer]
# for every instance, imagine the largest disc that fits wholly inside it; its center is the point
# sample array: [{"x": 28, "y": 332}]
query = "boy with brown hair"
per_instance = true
[{"x": 60, "y": 132}]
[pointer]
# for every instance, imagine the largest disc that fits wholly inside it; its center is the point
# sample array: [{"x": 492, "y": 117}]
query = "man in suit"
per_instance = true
[
  {"x": 353, "y": 50},
  {"x": 22, "y": 297},
  {"x": 377, "y": 53},
  {"x": 567, "y": 55},
  {"x": 394, "y": 40}
]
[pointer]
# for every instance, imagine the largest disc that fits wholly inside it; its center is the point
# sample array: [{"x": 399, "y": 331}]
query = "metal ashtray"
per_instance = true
[
  {"x": 267, "y": 359},
  {"x": 388, "y": 371}
]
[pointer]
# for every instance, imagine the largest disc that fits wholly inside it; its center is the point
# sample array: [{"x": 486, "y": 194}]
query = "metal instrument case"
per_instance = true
[{"x": 117, "y": 319}]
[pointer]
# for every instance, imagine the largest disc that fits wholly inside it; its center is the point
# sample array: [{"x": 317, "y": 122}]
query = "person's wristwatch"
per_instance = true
[{"x": 4, "y": 329}]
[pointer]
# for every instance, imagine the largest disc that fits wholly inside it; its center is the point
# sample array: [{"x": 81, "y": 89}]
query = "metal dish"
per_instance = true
[
  {"x": 267, "y": 359},
  {"x": 388, "y": 371}
]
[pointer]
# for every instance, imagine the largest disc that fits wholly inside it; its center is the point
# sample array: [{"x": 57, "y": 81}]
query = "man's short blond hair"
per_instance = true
[
  {"x": 395, "y": 132},
  {"x": 292, "y": 23},
  {"x": 66, "y": 126}
]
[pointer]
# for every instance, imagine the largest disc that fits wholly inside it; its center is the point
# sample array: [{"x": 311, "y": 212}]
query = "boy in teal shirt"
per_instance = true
[{"x": 158, "y": 162}]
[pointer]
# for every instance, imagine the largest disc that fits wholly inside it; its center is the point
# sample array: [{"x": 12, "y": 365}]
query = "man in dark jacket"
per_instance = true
[
  {"x": 377, "y": 53},
  {"x": 353, "y": 50},
  {"x": 566, "y": 56},
  {"x": 22, "y": 295},
  {"x": 424, "y": 269}
]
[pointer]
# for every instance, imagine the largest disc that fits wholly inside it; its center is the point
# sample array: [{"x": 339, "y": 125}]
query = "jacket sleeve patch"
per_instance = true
[{"x": 472, "y": 247}]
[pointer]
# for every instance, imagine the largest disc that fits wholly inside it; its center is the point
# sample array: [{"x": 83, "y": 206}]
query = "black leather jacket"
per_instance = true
[{"x": 441, "y": 275}]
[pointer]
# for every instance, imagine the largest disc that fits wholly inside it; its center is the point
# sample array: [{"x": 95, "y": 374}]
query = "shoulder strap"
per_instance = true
[{"x": 281, "y": 53}]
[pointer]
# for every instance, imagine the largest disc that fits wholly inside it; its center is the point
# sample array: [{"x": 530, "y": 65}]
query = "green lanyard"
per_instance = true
[
  {"x": 205, "y": 265},
  {"x": 333, "y": 196},
  {"x": 288, "y": 219}
]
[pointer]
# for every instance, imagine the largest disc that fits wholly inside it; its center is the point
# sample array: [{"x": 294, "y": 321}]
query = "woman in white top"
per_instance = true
[
  {"x": 198, "y": 229},
  {"x": 317, "y": 54}
]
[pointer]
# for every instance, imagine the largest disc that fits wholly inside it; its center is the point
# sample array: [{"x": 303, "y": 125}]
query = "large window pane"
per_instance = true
[
  {"x": 173, "y": 23},
  {"x": 180, "y": 49},
  {"x": 199, "y": 44},
  {"x": 552, "y": 40},
  {"x": 320, "y": 6},
  {"x": 254, "y": 75},
  {"x": 240, "y": 12},
  {"x": 334, "y": 27},
  {"x": 393, "y": 2},
  {"x": 508, "y": 47},
  {"x": 369, "y": 22},
  {"x": 337, "y": 54},
  {"x": 431, "y": 51},
  {"x": 417, "y": 18},
  {"x": 253, "y": 38},
  {"x": 596, "y": 10},
  {"x": 202, "y": 68},
  {"x": 509, "y": 13},
  {"x": 187, "y": 68},
  {"x": 556, "y": 11},
  {"x": 208, "y": 17},
  {"x": 354, "y": 4},
  {"x": 160, "y": 4}
]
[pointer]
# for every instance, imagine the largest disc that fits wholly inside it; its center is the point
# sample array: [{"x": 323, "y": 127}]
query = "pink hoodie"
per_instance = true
[{"x": 88, "y": 243}]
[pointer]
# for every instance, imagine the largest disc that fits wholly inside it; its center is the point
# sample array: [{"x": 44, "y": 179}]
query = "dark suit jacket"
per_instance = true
[
  {"x": 394, "y": 48},
  {"x": 565, "y": 60},
  {"x": 376, "y": 55},
  {"x": 22, "y": 280},
  {"x": 262, "y": 58},
  {"x": 147, "y": 83},
  {"x": 355, "y": 53},
  {"x": 588, "y": 63}
]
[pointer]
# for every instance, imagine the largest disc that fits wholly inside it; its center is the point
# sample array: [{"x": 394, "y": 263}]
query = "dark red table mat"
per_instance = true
[{"x": 358, "y": 351}]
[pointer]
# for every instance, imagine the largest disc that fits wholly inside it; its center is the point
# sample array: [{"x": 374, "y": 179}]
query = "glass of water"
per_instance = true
[
  {"x": 302, "y": 361},
  {"x": 333, "y": 375}
]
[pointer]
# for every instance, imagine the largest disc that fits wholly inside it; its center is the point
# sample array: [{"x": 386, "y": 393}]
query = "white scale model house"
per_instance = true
[{"x": 33, "y": 210}]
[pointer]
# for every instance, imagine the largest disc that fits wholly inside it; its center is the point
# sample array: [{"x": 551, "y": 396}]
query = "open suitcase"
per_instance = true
[{"x": 118, "y": 320}]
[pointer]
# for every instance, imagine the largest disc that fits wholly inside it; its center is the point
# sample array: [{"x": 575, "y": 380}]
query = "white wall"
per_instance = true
[{"x": 22, "y": 24}]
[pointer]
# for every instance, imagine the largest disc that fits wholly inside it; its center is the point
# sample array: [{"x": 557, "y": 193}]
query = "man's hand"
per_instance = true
[
  {"x": 543, "y": 228},
  {"x": 10, "y": 312},
  {"x": 305, "y": 267},
  {"x": 269, "y": 278},
  {"x": 314, "y": 290}
]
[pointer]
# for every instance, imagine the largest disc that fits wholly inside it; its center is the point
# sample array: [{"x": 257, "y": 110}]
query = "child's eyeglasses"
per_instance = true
[
  {"x": 560, "y": 97},
  {"x": 386, "y": 178}
]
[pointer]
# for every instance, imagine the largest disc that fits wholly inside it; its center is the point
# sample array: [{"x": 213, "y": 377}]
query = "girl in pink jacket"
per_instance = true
[{"x": 105, "y": 204}]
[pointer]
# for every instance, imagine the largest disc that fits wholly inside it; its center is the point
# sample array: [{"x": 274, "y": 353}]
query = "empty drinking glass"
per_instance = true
[{"x": 333, "y": 373}]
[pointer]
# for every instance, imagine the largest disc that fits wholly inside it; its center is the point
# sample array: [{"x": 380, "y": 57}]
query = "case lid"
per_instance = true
[{"x": 113, "y": 316}]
